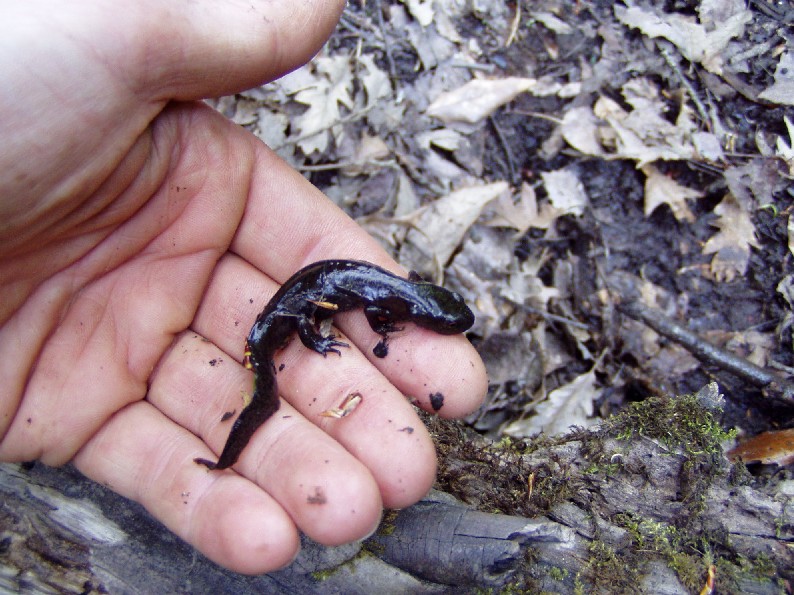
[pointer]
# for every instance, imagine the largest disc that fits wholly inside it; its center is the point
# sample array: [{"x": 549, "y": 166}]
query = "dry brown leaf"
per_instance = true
[
  {"x": 782, "y": 90},
  {"x": 376, "y": 82},
  {"x": 450, "y": 13},
  {"x": 477, "y": 99},
  {"x": 441, "y": 168},
  {"x": 642, "y": 134},
  {"x": 245, "y": 112},
  {"x": 433, "y": 45},
  {"x": 524, "y": 286},
  {"x": 440, "y": 227},
  {"x": 271, "y": 127},
  {"x": 786, "y": 149},
  {"x": 332, "y": 86},
  {"x": 490, "y": 311},
  {"x": 580, "y": 129},
  {"x": 660, "y": 189},
  {"x": 406, "y": 199},
  {"x": 566, "y": 191},
  {"x": 443, "y": 138},
  {"x": 751, "y": 345},
  {"x": 368, "y": 151},
  {"x": 755, "y": 182},
  {"x": 522, "y": 212},
  {"x": 552, "y": 22},
  {"x": 672, "y": 361},
  {"x": 767, "y": 448},
  {"x": 694, "y": 41},
  {"x": 713, "y": 13},
  {"x": 708, "y": 146},
  {"x": 731, "y": 244},
  {"x": 421, "y": 10},
  {"x": 566, "y": 406}
]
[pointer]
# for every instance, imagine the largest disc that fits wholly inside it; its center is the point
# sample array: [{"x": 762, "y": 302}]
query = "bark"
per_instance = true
[{"x": 620, "y": 516}]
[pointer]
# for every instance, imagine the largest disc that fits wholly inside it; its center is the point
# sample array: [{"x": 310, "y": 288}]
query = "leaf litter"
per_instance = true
[{"x": 609, "y": 151}]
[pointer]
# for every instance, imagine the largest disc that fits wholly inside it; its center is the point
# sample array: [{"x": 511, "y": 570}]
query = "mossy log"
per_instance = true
[{"x": 646, "y": 503}]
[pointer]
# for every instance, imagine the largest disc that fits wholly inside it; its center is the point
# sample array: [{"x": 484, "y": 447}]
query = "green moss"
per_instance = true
[
  {"x": 610, "y": 572},
  {"x": 732, "y": 574},
  {"x": 558, "y": 574},
  {"x": 679, "y": 422},
  {"x": 387, "y": 525},
  {"x": 321, "y": 575},
  {"x": 682, "y": 425},
  {"x": 687, "y": 558}
]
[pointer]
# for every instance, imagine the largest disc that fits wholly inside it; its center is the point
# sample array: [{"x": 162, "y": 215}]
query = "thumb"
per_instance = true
[
  {"x": 210, "y": 48},
  {"x": 93, "y": 79}
]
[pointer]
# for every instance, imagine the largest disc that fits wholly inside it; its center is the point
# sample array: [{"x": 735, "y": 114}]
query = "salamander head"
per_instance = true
[{"x": 439, "y": 310}]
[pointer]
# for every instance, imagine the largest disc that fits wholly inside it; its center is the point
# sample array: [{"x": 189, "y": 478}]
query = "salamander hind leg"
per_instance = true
[{"x": 315, "y": 341}]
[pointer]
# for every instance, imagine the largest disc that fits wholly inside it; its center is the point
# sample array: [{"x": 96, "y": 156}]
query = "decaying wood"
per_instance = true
[{"x": 637, "y": 516}]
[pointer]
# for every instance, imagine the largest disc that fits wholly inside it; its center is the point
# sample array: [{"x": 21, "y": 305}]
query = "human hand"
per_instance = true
[{"x": 141, "y": 237}]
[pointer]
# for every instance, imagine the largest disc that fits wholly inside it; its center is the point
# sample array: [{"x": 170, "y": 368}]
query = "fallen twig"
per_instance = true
[
  {"x": 772, "y": 386},
  {"x": 511, "y": 167},
  {"x": 386, "y": 46},
  {"x": 667, "y": 54}
]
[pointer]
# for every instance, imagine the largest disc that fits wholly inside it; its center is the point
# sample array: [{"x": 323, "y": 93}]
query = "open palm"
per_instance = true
[{"x": 140, "y": 235}]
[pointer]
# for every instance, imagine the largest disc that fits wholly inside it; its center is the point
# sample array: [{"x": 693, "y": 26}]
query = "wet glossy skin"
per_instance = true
[{"x": 316, "y": 293}]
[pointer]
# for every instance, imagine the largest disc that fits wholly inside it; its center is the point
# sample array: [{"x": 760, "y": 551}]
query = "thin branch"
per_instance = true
[
  {"x": 553, "y": 317},
  {"x": 386, "y": 45},
  {"x": 511, "y": 167},
  {"x": 772, "y": 385},
  {"x": 673, "y": 63}
]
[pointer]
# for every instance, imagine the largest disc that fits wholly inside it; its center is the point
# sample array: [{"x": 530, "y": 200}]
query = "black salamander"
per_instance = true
[{"x": 313, "y": 295}]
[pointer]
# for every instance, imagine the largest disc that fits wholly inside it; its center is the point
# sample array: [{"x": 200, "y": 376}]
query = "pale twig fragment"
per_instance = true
[
  {"x": 346, "y": 407},
  {"x": 790, "y": 230}
]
